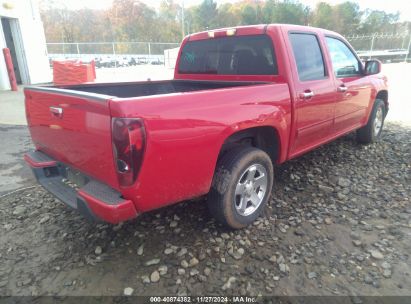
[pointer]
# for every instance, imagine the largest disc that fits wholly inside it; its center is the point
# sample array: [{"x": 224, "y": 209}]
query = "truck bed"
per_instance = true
[{"x": 147, "y": 88}]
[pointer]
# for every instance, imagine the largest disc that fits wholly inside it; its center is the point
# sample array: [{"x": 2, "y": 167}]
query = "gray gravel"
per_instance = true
[
  {"x": 14, "y": 174},
  {"x": 339, "y": 223}
]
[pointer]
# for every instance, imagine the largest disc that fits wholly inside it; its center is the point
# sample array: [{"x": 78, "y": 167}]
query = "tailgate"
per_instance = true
[{"x": 73, "y": 128}]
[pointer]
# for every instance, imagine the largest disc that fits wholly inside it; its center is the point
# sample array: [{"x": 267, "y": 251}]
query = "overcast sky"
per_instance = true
[{"x": 390, "y": 6}]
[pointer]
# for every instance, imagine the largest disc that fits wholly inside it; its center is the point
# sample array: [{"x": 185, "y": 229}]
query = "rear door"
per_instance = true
[
  {"x": 314, "y": 96},
  {"x": 353, "y": 89}
]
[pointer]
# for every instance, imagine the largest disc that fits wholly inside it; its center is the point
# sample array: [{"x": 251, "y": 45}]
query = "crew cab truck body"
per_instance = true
[{"x": 242, "y": 99}]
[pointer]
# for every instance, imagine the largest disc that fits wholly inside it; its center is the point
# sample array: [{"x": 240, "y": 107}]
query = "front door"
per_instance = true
[
  {"x": 314, "y": 93},
  {"x": 353, "y": 89}
]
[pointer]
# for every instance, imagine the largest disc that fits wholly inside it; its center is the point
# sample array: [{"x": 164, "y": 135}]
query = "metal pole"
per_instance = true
[
  {"x": 78, "y": 50},
  {"x": 182, "y": 18},
  {"x": 408, "y": 49},
  {"x": 114, "y": 53},
  {"x": 149, "y": 52},
  {"x": 62, "y": 39},
  {"x": 372, "y": 46}
]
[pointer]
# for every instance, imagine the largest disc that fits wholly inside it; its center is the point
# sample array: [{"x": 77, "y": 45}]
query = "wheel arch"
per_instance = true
[
  {"x": 383, "y": 95},
  {"x": 266, "y": 138}
]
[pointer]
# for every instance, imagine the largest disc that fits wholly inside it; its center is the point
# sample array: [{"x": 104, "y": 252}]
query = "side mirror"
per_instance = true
[{"x": 372, "y": 67}]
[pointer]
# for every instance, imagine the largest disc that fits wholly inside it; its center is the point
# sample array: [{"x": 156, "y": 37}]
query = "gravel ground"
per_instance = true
[
  {"x": 338, "y": 223},
  {"x": 14, "y": 173}
]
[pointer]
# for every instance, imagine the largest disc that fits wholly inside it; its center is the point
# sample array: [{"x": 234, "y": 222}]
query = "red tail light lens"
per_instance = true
[{"x": 128, "y": 148}]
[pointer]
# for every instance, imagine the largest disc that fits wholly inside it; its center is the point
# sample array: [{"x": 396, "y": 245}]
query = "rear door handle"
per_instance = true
[
  {"x": 342, "y": 88},
  {"x": 307, "y": 94}
]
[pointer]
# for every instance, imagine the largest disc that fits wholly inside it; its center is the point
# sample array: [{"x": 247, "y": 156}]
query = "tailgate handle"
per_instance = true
[{"x": 56, "y": 111}]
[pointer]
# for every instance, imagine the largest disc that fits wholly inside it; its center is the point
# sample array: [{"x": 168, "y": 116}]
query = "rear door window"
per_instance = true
[
  {"x": 308, "y": 56},
  {"x": 238, "y": 55}
]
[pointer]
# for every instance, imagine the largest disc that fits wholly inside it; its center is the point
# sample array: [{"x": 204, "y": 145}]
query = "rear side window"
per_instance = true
[
  {"x": 308, "y": 56},
  {"x": 238, "y": 55}
]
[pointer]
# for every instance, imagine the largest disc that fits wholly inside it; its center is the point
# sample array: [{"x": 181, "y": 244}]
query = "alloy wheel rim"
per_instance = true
[{"x": 250, "y": 189}]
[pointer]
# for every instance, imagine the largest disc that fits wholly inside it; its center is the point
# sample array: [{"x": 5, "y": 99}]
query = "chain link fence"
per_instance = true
[
  {"x": 111, "y": 54},
  {"x": 385, "y": 47}
]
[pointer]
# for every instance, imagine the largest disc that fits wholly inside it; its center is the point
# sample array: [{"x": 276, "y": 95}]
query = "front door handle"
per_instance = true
[
  {"x": 307, "y": 94},
  {"x": 342, "y": 88}
]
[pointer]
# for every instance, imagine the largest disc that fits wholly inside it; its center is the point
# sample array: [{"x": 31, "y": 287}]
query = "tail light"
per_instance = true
[{"x": 128, "y": 148}]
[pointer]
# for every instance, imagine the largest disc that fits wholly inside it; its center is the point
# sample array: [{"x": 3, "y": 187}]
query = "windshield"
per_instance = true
[{"x": 241, "y": 55}]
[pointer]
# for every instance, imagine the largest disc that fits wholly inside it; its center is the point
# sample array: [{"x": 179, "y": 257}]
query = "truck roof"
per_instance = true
[{"x": 258, "y": 30}]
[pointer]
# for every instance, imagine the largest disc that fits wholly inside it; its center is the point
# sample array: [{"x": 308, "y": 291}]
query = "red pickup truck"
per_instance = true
[{"x": 242, "y": 99}]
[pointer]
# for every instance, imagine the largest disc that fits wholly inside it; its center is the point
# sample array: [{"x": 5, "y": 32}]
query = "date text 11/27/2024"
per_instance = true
[{"x": 204, "y": 299}]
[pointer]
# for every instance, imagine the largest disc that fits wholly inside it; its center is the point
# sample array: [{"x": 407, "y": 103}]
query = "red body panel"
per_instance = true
[
  {"x": 185, "y": 138},
  {"x": 81, "y": 137},
  {"x": 185, "y": 131},
  {"x": 110, "y": 213},
  {"x": 42, "y": 164}
]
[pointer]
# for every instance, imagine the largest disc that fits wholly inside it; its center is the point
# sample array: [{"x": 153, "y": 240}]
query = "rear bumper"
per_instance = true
[{"x": 95, "y": 200}]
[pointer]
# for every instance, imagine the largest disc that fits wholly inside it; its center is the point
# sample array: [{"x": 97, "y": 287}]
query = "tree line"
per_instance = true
[{"x": 132, "y": 20}]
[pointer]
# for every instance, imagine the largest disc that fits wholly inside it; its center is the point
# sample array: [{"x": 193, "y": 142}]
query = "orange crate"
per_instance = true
[{"x": 73, "y": 72}]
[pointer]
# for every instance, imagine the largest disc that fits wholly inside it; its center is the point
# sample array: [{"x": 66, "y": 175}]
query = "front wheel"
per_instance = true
[
  {"x": 371, "y": 132},
  {"x": 241, "y": 187}
]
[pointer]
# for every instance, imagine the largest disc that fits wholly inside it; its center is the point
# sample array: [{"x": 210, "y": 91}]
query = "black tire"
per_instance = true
[
  {"x": 368, "y": 134},
  {"x": 233, "y": 166}
]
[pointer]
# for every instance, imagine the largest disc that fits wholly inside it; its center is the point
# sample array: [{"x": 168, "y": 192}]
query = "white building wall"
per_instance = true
[{"x": 33, "y": 42}]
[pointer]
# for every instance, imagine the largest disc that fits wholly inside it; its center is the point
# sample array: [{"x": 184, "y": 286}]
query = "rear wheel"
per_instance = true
[
  {"x": 241, "y": 187},
  {"x": 371, "y": 132}
]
